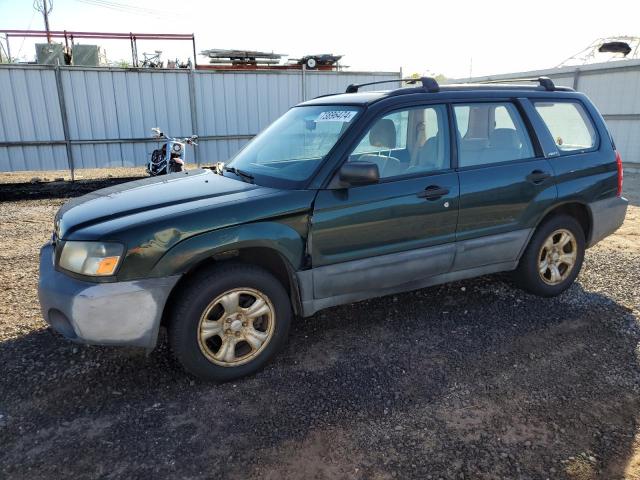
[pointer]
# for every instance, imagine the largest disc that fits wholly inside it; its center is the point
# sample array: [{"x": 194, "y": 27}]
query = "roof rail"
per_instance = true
[
  {"x": 544, "y": 82},
  {"x": 428, "y": 83},
  {"x": 326, "y": 95}
]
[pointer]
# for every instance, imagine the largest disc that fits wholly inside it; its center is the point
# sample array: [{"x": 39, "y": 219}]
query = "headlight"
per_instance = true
[
  {"x": 176, "y": 148},
  {"x": 91, "y": 258}
]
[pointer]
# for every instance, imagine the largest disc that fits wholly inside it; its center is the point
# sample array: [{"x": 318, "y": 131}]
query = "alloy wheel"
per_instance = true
[
  {"x": 557, "y": 256},
  {"x": 236, "y": 326}
]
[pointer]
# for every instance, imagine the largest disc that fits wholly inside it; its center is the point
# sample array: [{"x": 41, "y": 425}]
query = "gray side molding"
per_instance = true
[
  {"x": 381, "y": 272},
  {"x": 347, "y": 282},
  {"x": 491, "y": 249},
  {"x": 311, "y": 306}
]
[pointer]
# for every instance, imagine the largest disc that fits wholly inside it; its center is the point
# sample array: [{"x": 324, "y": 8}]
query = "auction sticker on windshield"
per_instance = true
[{"x": 336, "y": 116}]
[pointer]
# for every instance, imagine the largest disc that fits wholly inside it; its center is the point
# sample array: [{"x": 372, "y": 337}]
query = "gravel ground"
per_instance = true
[{"x": 474, "y": 379}]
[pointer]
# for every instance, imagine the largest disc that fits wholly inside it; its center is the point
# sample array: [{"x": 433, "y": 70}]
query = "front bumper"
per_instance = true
[
  {"x": 606, "y": 216},
  {"x": 119, "y": 313}
]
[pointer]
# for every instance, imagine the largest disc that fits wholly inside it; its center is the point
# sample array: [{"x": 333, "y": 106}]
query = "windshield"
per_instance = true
[{"x": 290, "y": 150}]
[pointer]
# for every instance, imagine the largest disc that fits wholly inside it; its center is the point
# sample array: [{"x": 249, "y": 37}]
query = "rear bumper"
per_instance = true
[
  {"x": 119, "y": 313},
  {"x": 606, "y": 216}
]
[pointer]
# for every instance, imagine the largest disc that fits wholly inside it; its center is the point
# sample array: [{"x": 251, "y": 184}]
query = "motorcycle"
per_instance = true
[{"x": 170, "y": 157}]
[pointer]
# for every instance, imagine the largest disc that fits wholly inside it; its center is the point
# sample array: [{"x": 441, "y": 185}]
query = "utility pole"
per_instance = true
[
  {"x": 45, "y": 12},
  {"x": 42, "y": 7}
]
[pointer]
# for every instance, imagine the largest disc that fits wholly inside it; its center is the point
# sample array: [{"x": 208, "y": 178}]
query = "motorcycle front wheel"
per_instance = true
[{"x": 175, "y": 167}]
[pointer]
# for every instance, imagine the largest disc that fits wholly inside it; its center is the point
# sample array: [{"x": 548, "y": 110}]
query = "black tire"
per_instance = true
[
  {"x": 527, "y": 274},
  {"x": 197, "y": 295}
]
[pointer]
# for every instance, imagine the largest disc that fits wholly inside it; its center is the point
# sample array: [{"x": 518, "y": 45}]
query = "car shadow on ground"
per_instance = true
[{"x": 473, "y": 378}]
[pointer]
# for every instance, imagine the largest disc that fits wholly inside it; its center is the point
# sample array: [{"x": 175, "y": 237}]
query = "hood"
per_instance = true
[{"x": 185, "y": 190}]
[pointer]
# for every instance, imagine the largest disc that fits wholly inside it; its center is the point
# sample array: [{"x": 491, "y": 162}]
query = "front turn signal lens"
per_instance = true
[{"x": 107, "y": 266}]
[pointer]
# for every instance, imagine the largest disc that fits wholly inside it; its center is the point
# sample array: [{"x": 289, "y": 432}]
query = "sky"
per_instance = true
[{"x": 453, "y": 38}]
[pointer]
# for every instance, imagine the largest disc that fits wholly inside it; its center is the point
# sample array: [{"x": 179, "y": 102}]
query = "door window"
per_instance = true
[
  {"x": 408, "y": 141},
  {"x": 569, "y": 125},
  {"x": 490, "y": 133}
]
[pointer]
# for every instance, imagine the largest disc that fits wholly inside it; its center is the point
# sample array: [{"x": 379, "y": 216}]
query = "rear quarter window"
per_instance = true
[{"x": 569, "y": 124}]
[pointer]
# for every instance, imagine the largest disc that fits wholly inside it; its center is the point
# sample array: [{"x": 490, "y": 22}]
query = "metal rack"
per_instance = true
[{"x": 70, "y": 36}]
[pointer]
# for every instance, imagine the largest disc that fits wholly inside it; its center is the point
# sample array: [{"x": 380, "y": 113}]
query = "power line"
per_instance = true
[
  {"x": 24, "y": 38},
  {"x": 131, "y": 9}
]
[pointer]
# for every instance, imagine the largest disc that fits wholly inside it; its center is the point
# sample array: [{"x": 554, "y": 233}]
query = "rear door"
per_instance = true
[
  {"x": 584, "y": 161},
  {"x": 401, "y": 229},
  {"x": 505, "y": 183}
]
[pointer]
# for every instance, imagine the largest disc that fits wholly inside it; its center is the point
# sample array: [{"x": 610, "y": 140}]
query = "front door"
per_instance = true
[{"x": 397, "y": 231}]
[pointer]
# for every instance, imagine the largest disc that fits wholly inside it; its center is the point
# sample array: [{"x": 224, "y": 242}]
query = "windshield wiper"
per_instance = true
[{"x": 239, "y": 173}]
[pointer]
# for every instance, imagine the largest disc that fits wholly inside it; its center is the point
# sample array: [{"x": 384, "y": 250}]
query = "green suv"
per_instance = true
[{"x": 345, "y": 197}]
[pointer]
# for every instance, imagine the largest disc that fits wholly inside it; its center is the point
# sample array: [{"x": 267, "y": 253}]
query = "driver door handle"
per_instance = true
[{"x": 433, "y": 192}]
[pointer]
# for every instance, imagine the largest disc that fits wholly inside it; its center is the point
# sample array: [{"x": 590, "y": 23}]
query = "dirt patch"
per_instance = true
[
  {"x": 83, "y": 174},
  {"x": 631, "y": 187},
  {"x": 57, "y": 176},
  {"x": 323, "y": 454},
  {"x": 628, "y": 237}
]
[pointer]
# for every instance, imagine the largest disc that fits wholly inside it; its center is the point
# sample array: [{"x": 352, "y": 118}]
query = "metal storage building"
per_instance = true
[
  {"x": 55, "y": 118},
  {"x": 613, "y": 86}
]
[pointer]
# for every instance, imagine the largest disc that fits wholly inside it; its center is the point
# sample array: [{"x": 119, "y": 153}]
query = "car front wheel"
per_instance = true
[
  {"x": 230, "y": 321},
  {"x": 553, "y": 258}
]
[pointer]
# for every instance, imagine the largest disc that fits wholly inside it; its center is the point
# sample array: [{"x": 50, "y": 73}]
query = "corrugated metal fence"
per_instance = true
[
  {"x": 614, "y": 87},
  {"x": 55, "y": 118}
]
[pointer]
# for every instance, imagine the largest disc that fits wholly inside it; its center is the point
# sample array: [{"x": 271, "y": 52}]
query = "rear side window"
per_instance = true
[
  {"x": 490, "y": 133},
  {"x": 569, "y": 125}
]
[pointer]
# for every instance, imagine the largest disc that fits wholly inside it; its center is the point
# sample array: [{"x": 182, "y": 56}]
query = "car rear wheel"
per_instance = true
[
  {"x": 553, "y": 258},
  {"x": 230, "y": 321}
]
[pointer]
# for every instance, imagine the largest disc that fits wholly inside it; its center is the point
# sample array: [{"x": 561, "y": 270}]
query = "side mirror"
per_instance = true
[{"x": 359, "y": 173}]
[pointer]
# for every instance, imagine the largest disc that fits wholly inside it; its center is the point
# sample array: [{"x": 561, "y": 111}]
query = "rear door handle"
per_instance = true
[
  {"x": 433, "y": 192},
  {"x": 538, "y": 176}
]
